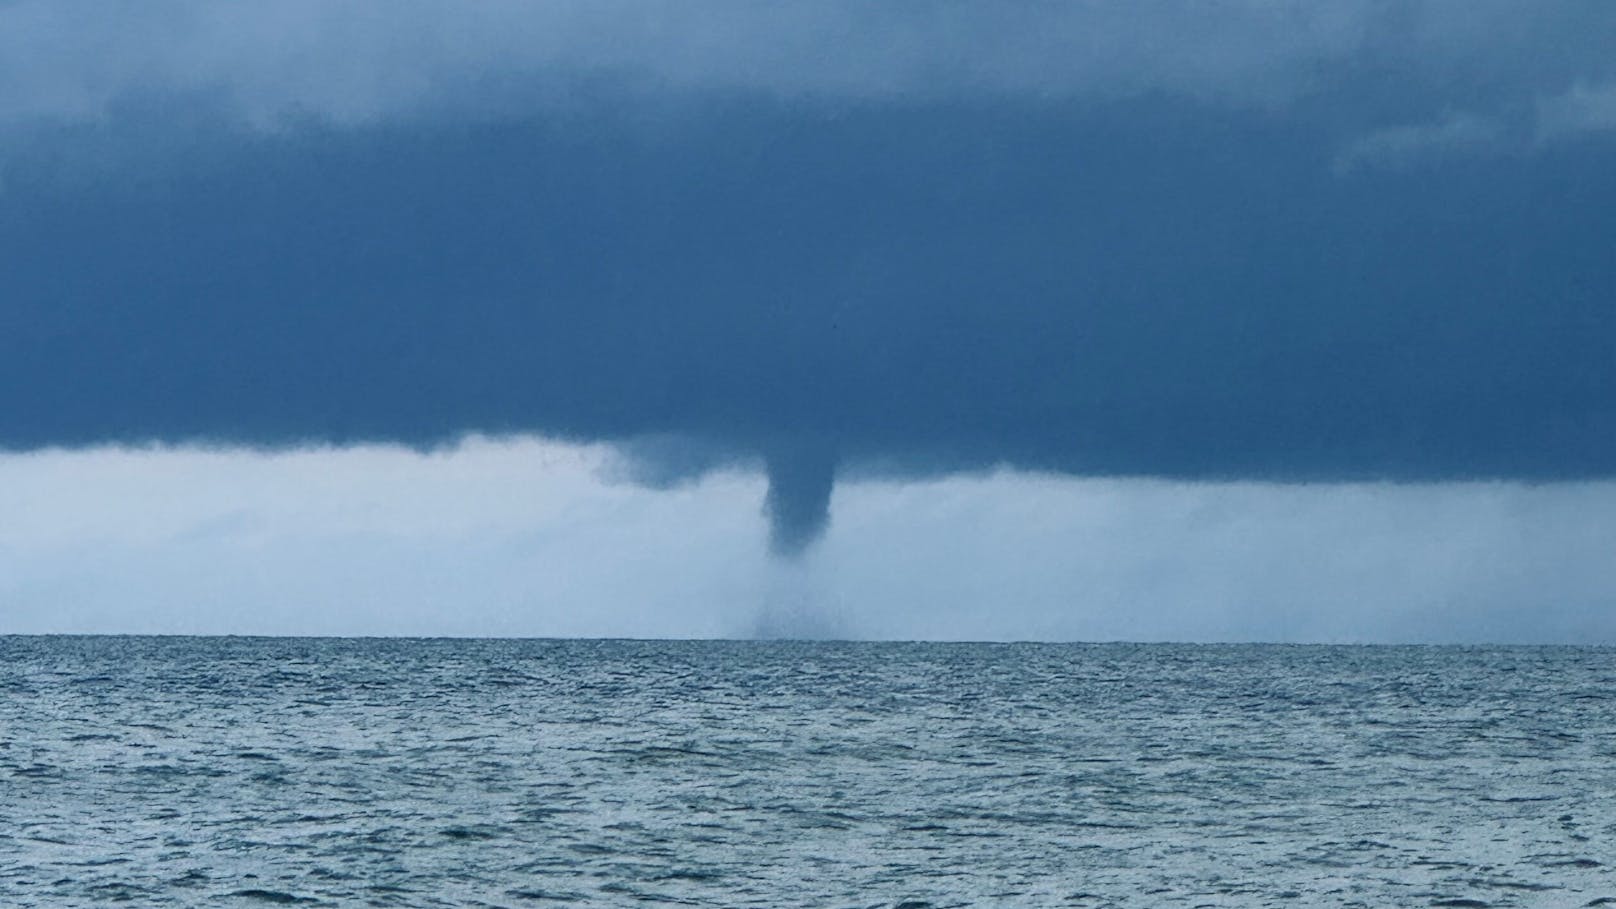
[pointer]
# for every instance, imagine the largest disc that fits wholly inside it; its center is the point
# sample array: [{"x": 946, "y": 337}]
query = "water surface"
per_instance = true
[{"x": 254, "y": 772}]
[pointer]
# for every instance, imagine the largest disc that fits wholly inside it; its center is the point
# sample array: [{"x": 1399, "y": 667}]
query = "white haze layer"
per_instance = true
[{"x": 527, "y": 537}]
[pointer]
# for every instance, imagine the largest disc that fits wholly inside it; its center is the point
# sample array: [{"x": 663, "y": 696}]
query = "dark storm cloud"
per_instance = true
[{"x": 1152, "y": 282}]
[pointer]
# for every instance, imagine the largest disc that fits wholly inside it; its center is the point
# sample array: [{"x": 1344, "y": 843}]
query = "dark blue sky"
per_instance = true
[{"x": 1370, "y": 258}]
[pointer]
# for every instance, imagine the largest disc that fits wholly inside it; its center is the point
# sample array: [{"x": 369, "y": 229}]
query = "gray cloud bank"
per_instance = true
[
  {"x": 371, "y": 60},
  {"x": 1231, "y": 240}
]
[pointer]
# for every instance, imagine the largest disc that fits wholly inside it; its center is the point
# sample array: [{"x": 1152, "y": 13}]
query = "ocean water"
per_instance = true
[{"x": 256, "y": 772}]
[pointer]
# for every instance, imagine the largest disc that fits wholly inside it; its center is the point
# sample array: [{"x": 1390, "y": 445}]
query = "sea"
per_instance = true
[{"x": 171, "y": 771}]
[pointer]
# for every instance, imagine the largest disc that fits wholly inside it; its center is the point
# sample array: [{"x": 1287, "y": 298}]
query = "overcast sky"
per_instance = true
[{"x": 1211, "y": 321}]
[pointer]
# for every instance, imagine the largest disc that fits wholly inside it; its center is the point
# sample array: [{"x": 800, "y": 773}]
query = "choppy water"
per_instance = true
[{"x": 218, "y": 772}]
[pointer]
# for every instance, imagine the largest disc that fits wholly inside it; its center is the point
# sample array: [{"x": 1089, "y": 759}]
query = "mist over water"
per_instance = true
[
  {"x": 798, "y": 605},
  {"x": 428, "y": 773}
]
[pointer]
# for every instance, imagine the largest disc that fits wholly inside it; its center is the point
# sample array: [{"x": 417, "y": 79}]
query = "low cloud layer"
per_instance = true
[
  {"x": 1584, "y": 109},
  {"x": 1232, "y": 241},
  {"x": 1409, "y": 147}
]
